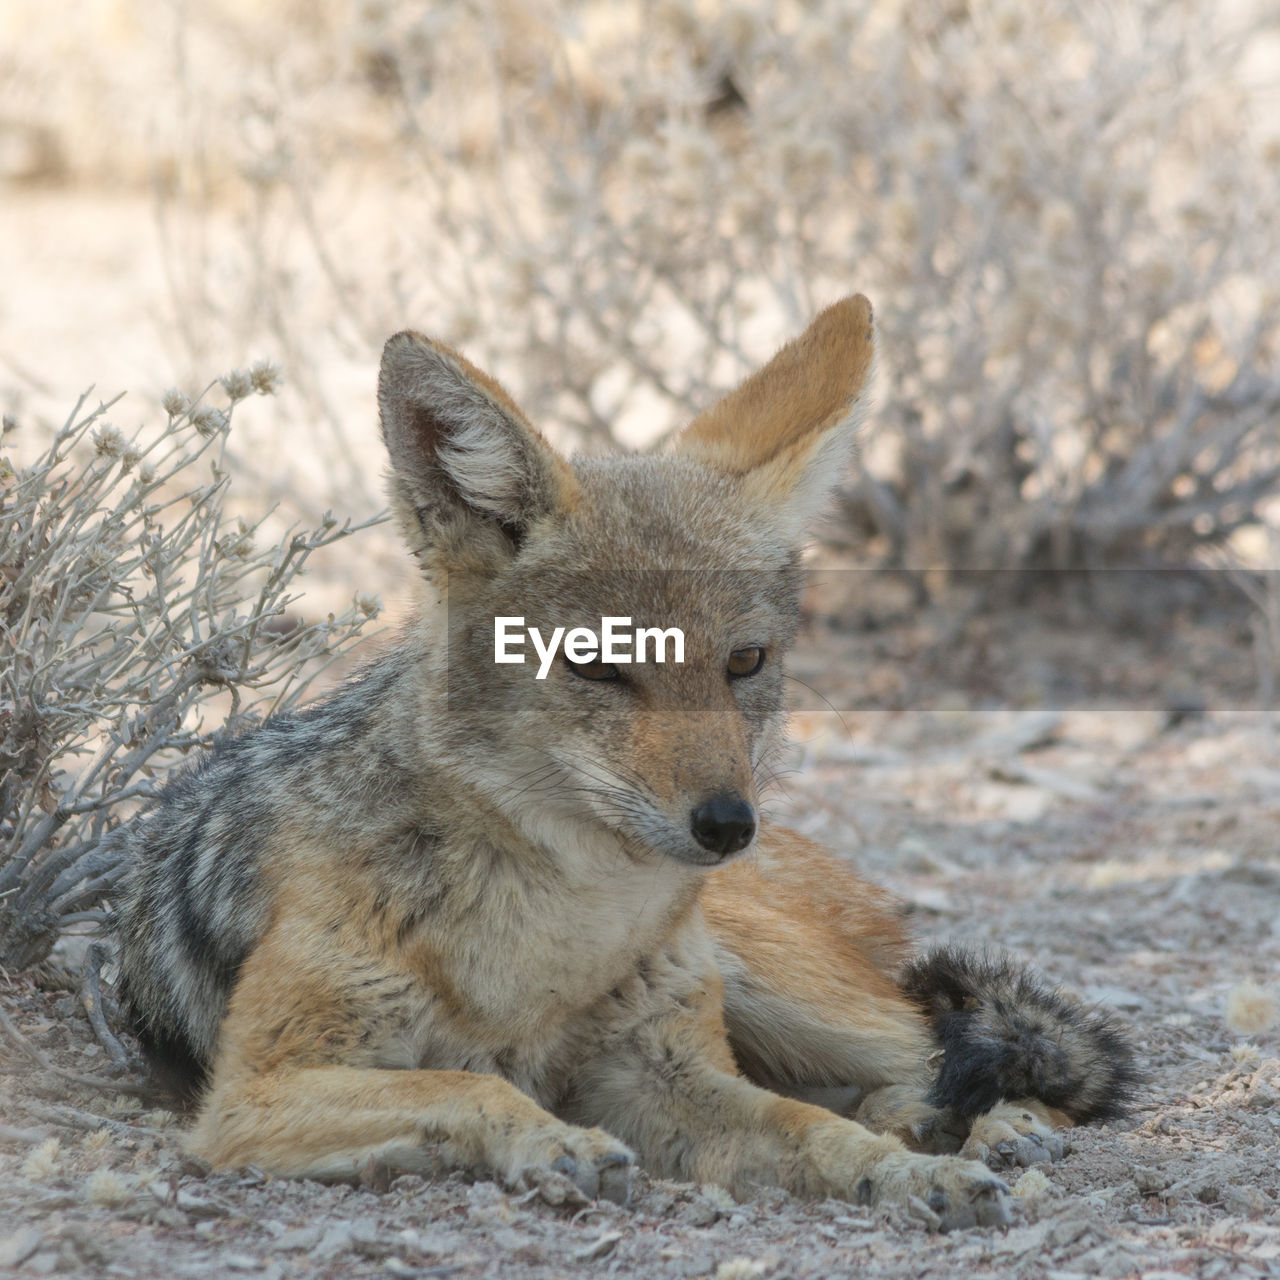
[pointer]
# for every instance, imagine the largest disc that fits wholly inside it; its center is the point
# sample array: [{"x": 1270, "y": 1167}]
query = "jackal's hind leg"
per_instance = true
[
  {"x": 905, "y": 1111},
  {"x": 808, "y": 952},
  {"x": 1012, "y": 1135},
  {"x": 1017, "y": 1135}
]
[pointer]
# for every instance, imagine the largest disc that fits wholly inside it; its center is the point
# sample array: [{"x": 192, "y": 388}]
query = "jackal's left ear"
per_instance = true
[
  {"x": 789, "y": 430},
  {"x": 470, "y": 474}
]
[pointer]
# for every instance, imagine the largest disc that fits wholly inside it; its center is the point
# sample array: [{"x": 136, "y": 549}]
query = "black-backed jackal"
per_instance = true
[{"x": 458, "y": 915}]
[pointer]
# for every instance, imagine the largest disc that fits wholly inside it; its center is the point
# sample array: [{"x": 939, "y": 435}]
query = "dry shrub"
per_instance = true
[
  {"x": 136, "y": 619},
  {"x": 1062, "y": 211}
]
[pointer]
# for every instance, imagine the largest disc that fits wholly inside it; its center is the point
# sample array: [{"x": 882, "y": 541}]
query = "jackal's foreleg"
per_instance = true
[
  {"x": 333, "y": 1123},
  {"x": 298, "y": 1089}
]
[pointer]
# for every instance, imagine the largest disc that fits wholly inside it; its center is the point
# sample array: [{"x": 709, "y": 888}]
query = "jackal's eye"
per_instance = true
[
  {"x": 593, "y": 670},
  {"x": 746, "y": 662}
]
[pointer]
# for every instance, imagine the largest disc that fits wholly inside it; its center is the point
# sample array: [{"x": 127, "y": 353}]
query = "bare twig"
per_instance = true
[
  {"x": 68, "y": 1117},
  {"x": 91, "y": 998}
]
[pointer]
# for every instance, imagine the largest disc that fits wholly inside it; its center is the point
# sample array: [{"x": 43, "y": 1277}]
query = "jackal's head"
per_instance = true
[{"x": 705, "y": 539}]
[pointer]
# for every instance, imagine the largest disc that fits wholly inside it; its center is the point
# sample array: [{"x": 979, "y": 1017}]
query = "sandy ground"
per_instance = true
[{"x": 1127, "y": 848}]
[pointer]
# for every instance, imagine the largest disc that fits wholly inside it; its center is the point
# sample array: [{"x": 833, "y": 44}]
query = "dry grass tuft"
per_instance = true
[{"x": 1252, "y": 1010}]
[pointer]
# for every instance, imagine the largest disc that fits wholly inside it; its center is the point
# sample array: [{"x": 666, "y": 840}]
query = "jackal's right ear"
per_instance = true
[{"x": 469, "y": 474}]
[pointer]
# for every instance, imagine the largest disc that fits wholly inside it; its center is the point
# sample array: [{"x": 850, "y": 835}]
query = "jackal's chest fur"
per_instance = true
[{"x": 539, "y": 967}]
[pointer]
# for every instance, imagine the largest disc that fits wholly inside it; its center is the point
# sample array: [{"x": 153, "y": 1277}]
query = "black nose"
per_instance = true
[{"x": 724, "y": 824}]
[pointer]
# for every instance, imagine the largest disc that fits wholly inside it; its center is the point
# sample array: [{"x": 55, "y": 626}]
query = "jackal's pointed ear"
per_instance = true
[
  {"x": 789, "y": 430},
  {"x": 469, "y": 474}
]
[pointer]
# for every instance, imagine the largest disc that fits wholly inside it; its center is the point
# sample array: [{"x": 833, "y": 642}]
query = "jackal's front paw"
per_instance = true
[
  {"x": 956, "y": 1193},
  {"x": 1014, "y": 1135},
  {"x": 565, "y": 1162}
]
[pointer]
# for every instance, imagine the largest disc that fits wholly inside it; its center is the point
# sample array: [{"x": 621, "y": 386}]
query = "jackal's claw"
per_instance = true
[
  {"x": 615, "y": 1179},
  {"x": 607, "y": 1177},
  {"x": 983, "y": 1204},
  {"x": 569, "y": 1166}
]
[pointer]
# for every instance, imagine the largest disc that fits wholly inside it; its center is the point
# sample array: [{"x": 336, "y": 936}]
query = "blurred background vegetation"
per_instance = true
[{"x": 1064, "y": 213}]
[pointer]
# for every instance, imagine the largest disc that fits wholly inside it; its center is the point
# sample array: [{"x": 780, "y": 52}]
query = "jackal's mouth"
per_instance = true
[
  {"x": 692, "y": 844},
  {"x": 708, "y": 834},
  {"x": 714, "y": 830}
]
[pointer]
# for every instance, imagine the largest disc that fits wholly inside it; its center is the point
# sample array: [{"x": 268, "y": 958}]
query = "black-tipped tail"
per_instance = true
[{"x": 1006, "y": 1035}]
